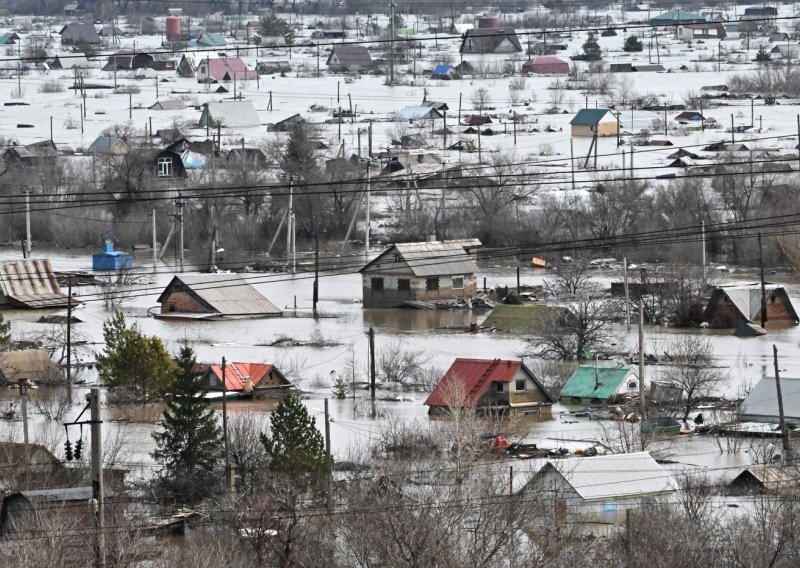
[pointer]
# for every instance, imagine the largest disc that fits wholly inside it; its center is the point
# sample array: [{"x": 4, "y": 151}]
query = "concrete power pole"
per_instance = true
[
  {"x": 98, "y": 497},
  {"x": 391, "y": 46}
]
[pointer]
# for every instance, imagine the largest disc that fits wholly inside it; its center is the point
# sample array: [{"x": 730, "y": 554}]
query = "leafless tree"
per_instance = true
[
  {"x": 481, "y": 99},
  {"x": 692, "y": 370},
  {"x": 399, "y": 363},
  {"x": 570, "y": 278},
  {"x": 580, "y": 327}
]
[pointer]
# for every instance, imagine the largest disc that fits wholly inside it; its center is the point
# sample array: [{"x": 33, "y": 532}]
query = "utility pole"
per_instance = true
[
  {"x": 763, "y": 287},
  {"x": 97, "y": 477},
  {"x": 315, "y": 294},
  {"x": 371, "y": 336},
  {"x": 290, "y": 222},
  {"x": 155, "y": 243},
  {"x": 27, "y": 191},
  {"x": 784, "y": 432},
  {"x": 228, "y": 470},
  {"x": 703, "y": 240},
  {"x": 572, "y": 163},
  {"x": 328, "y": 461},
  {"x": 391, "y": 46},
  {"x": 23, "y": 401},
  {"x": 69, "y": 336},
  {"x": 642, "y": 401},
  {"x": 179, "y": 202},
  {"x": 367, "y": 221},
  {"x": 627, "y": 295}
]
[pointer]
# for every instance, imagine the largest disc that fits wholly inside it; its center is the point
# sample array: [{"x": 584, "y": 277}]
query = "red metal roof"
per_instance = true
[
  {"x": 475, "y": 375},
  {"x": 226, "y": 68},
  {"x": 237, "y": 374}
]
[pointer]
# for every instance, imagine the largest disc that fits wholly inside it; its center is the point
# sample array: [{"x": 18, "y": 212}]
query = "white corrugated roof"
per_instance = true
[
  {"x": 762, "y": 402},
  {"x": 615, "y": 475}
]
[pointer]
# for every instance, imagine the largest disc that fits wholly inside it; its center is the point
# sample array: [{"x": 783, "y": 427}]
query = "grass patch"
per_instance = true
[{"x": 520, "y": 319}]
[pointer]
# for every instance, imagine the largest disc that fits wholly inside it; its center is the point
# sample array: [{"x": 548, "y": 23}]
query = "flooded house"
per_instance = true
[
  {"x": 601, "y": 489},
  {"x": 29, "y": 365},
  {"x": 429, "y": 271},
  {"x": 213, "y": 296},
  {"x": 594, "y": 122},
  {"x": 32, "y": 463},
  {"x": 761, "y": 479},
  {"x": 761, "y": 405},
  {"x": 249, "y": 378},
  {"x": 592, "y": 384},
  {"x": 730, "y": 305},
  {"x": 491, "y": 386},
  {"x": 30, "y": 284}
]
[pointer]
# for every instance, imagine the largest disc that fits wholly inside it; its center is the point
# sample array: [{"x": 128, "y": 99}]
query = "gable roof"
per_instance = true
[
  {"x": 237, "y": 375},
  {"x": 747, "y": 299},
  {"x": 589, "y": 116},
  {"x": 79, "y": 32},
  {"x": 476, "y": 376},
  {"x": 676, "y": 17},
  {"x": 228, "y": 69},
  {"x": 418, "y": 113},
  {"x": 583, "y": 381},
  {"x": 350, "y": 56},
  {"x": 488, "y": 40},
  {"x": 432, "y": 258},
  {"x": 761, "y": 405},
  {"x": 231, "y": 114},
  {"x": 443, "y": 69},
  {"x": 29, "y": 365},
  {"x": 31, "y": 284},
  {"x": 615, "y": 475},
  {"x": 108, "y": 145},
  {"x": 211, "y": 39},
  {"x": 224, "y": 294}
]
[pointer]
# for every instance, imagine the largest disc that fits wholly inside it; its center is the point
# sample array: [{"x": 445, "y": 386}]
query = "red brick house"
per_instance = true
[
  {"x": 213, "y": 296},
  {"x": 730, "y": 305},
  {"x": 491, "y": 385}
]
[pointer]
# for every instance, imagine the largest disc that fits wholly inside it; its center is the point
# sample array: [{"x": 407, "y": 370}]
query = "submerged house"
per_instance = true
[
  {"x": 728, "y": 306},
  {"x": 30, "y": 365},
  {"x": 213, "y": 296},
  {"x": 110, "y": 259},
  {"x": 30, "y": 284},
  {"x": 427, "y": 272},
  {"x": 546, "y": 65},
  {"x": 761, "y": 479},
  {"x": 490, "y": 385},
  {"x": 224, "y": 69},
  {"x": 601, "y": 489},
  {"x": 594, "y": 122},
  {"x": 77, "y": 32},
  {"x": 345, "y": 57},
  {"x": 490, "y": 40},
  {"x": 761, "y": 405},
  {"x": 230, "y": 114},
  {"x": 243, "y": 377},
  {"x": 590, "y": 384}
]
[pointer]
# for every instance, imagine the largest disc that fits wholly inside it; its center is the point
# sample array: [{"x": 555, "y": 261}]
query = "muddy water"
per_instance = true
[{"x": 442, "y": 334}]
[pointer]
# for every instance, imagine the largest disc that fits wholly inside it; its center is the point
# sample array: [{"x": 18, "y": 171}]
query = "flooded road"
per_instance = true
[{"x": 441, "y": 334}]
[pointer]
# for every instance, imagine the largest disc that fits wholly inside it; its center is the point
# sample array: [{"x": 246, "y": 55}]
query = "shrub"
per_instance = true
[{"x": 51, "y": 87}]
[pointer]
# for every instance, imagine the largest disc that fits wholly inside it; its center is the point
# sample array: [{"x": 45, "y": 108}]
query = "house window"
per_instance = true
[
  {"x": 377, "y": 284},
  {"x": 397, "y": 257},
  {"x": 610, "y": 507},
  {"x": 458, "y": 282},
  {"x": 403, "y": 285},
  {"x": 648, "y": 502},
  {"x": 498, "y": 387},
  {"x": 520, "y": 385},
  {"x": 632, "y": 385},
  {"x": 432, "y": 284},
  {"x": 165, "y": 167}
]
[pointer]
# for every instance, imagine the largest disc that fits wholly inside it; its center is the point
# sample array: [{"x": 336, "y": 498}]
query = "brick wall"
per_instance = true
[{"x": 181, "y": 302}]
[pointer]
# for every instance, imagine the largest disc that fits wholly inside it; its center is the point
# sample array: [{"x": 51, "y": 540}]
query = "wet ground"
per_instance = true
[{"x": 442, "y": 334}]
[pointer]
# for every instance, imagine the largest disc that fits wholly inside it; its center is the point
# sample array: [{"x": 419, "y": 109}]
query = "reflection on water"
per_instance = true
[{"x": 405, "y": 320}]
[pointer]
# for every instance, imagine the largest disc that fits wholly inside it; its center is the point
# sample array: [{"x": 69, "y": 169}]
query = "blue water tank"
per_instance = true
[{"x": 111, "y": 259}]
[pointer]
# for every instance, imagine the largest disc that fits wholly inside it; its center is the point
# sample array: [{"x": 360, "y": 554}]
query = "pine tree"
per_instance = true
[
  {"x": 591, "y": 49},
  {"x": 189, "y": 443},
  {"x": 5, "y": 333},
  {"x": 296, "y": 447},
  {"x": 633, "y": 44},
  {"x": 133, "y": 362},
  {"x": 762, "y": 55}
]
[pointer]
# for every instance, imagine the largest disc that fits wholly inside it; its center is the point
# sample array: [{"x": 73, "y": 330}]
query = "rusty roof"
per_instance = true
[
  {"x": 238, "y": 374},
  {"x": 434, "y": 258},
  {"x": 30, "y": 284},
  {"x": 224, "y": 294}
]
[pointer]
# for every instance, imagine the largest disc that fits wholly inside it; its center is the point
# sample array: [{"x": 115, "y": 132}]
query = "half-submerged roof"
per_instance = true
[
  {"x": 30, "y": 284},
  {"x": 470, "y": 378},
  {"x": 590, "y": 381},
  {"x": 237, "y": 375},
  {"x": 761, "y": 405},
  {"x": 615, "y": 475},
  {"x": 432, "y": 258},
  {"x": 222, "y": 294}
]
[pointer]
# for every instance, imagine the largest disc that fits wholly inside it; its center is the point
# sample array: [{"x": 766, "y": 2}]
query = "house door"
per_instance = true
[{"x": 561, "y": 510}]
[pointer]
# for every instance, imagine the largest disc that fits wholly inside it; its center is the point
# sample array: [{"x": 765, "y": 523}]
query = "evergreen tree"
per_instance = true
[
  {"x": 189, "y": 443},
  {"x": 137, "y": 364},
  {"x": 296, "y": 447},
  {"x": 5, "y": 333},
  {"x": 762, "y": 55},
  {"x": 591, "y": 49},
  {"x": 632, "y": 44}
]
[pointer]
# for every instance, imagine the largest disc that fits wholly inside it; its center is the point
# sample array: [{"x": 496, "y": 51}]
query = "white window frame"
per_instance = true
[
  {"x": 165, "y": 167},
  {"x": 453, "y": 282}
]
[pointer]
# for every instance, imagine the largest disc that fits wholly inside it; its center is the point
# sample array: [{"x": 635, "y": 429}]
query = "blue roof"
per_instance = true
[
  {"x": 443, "y": 69},
  {"x": 104, "y": 144},
  {"x": 418, "y": 113}
]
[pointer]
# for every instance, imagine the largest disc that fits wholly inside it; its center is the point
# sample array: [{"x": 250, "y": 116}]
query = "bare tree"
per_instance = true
[
  {"x": 580, "y": 327},
  {"x": 692, "y": 370},
  {"x": 398, "y": 363},
  {"x": 570, "y": 278},
  {"x": 481, "y": 98}
]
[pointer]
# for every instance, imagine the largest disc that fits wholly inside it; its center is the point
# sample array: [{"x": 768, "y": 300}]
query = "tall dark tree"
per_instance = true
[
  {"x": 591, "y": 49},
  {"x": 189, "y": 443},
  {"x": 296, "y": 447}
]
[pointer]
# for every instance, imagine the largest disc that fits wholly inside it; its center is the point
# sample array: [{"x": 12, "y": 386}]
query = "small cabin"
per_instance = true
[{"x": 110, "y": 259}]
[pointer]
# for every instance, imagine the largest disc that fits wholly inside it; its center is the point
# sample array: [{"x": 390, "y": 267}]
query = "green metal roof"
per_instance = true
[
  {"x": 582, "y": 382},
  {"x": 212, "y": 39},
  {"x": 589, "y": 116}
]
